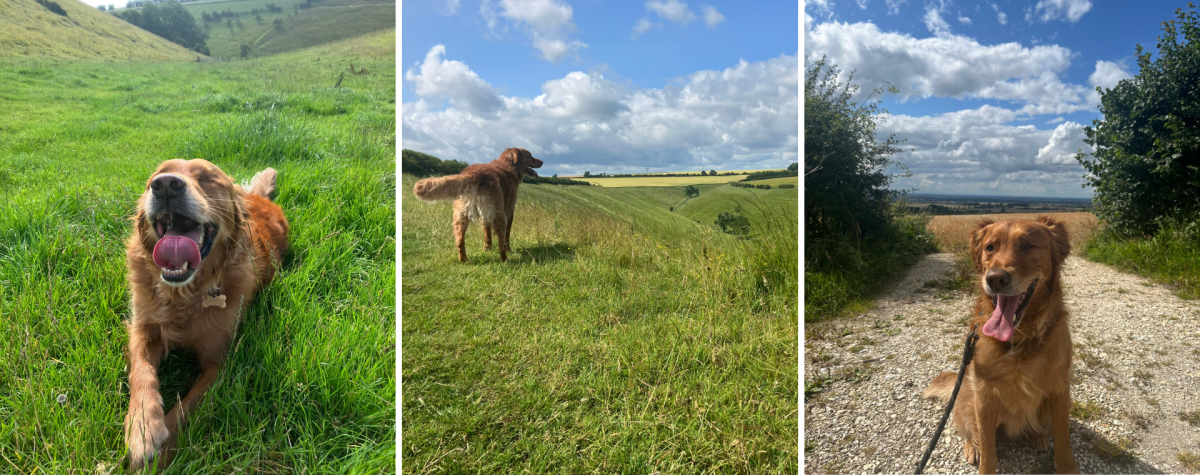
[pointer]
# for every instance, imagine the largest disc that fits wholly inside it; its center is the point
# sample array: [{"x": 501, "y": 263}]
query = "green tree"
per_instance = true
[
  {"x": 587, "y": 174},
  {"x": 1145, "y": 170},
  {"x": 691, "y": 191},
  {"x": 712, "y": 173},
  {"x": 793, "y": 167},
  {"x": 846, "y": 181},
  {"x": 171, "y": 21},
  {"x": 733, "y": 223},
  {"x": 278, "y": 24},
  {"x": 245, "y": 50}
]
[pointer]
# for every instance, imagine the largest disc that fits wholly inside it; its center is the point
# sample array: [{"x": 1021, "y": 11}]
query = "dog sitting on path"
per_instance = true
[
  {"x": 1020, "y": 378},
  {"x": 483, "y": 191},
  {"x": 201, "y": 246}
]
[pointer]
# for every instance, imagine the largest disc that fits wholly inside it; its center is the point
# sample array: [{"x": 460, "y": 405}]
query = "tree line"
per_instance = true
[{"x": 170, "y": 21}]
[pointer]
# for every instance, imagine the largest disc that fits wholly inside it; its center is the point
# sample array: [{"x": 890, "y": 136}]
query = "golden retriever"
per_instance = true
[
  {"x": 201, "y": 246},
  {"x": 484, "y": 191},
  {"x": 1020, "y": 379}
]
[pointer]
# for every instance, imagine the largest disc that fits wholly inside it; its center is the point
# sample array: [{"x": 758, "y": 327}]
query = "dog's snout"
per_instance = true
[
  {"x": 167, "y": 186},
  {"x": 997, "y": 278}
]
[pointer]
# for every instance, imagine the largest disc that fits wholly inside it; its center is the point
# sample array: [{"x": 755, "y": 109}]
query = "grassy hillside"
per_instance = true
[
  {"x": 308, "y": 386},
  {"x": 618, "y": 338},
  {"x": 30, "y": 30},
  {"x": 753, "y": 203},
  {"x": 661, "y": 180},
  {"x": 325, "y": 21}
]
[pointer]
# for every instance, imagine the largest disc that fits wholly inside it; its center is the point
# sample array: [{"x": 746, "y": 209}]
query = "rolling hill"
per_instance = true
[
  {"x": 30, "y": 30},
  {"x": 302, "y": 23}
]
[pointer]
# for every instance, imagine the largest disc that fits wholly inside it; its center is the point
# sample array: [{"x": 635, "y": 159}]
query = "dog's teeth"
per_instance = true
[{"x": 184, "y": 268}]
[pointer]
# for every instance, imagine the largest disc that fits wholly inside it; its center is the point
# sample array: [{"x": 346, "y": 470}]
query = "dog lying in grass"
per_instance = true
[
  {"x": 1020, "y": 378},
  {"x": 483, "y": 191},
  {"x": 201, "y": 246}
]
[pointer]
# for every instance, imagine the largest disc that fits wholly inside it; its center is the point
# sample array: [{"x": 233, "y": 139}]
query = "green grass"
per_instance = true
[
  {"x": 326, "y": 21},
  {"x": 754, "y": 203},
  {"x": 308, "y": 385},
  {"x": 662, "y": 180},
  {"x": 30, "y": 31},
  {"x": 1171, "y": 257},
  {"x": 618, "y": 338}
]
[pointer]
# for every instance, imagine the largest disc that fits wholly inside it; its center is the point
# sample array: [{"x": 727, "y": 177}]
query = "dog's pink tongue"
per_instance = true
[
  {"x": 1000, "y": 326},
  {"x": 173, "y": 250}
]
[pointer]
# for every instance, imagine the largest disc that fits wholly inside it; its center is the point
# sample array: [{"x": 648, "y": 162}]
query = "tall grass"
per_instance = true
[
  {"x": 618, "y": 338},
  {"x": 308, "y": 385},
  {"x": 1172, "y": 256}
]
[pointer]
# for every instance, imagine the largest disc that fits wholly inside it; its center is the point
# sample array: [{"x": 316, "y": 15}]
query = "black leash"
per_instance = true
[{"x": 968, "y": 353}]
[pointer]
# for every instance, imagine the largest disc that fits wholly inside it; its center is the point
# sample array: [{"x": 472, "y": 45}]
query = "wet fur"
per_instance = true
[
  {"x": 251, "y": 240},
  {"x": 483, "y": 191},
  {"x": 1021, "y": 386}
]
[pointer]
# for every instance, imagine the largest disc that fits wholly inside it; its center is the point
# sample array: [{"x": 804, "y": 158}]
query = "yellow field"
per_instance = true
[
  {"x": 790, "y": 180},
  {"x": 662, "y": 181},
  {"x": 952, "y": 232}
]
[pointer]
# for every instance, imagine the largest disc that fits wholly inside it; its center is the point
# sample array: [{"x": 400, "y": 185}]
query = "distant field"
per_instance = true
[
  {"x": 327, "y": 20},
  {"x": 30, "y": 31},
  {"x": 754, "y": 203},
  {"x": 953, "y": 231},
  {"x": 662, "y": 181},
  {"x": 791, "y": 180}
]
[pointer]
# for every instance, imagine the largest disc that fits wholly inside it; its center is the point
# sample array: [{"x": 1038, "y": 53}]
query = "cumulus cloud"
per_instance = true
[
  {"x": 978, "y": 149},
  {"x": 950, "y": 66},
  {"x": 643, "y": 25},
  {"x": 744, "y": 116},
  {"x": 453, "y": 80},
  {"x": 1066, "y": 10},
  {"x": 1001, "y": 17},
  {"x": 1107, "y": 75},
  {"x": 822, "y": 6},
  {"x": 935, "y": 23},
  {"x": 673, "y": 10},
  {"x": 712, "y": 17},
  {"x": 547, "y": 23}
]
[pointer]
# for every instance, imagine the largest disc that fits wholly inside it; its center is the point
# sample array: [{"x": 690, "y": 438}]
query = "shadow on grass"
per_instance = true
[{"x": 543, "y": 254}]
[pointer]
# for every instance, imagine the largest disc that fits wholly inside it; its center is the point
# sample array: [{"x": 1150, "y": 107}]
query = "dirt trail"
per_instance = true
[{"x": 1136, "y": 370}]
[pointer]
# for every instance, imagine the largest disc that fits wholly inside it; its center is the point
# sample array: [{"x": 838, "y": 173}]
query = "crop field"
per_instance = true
[
  {"x": 952, "y": 232},
  {"x": 618, "y": 338},
  {"x": 787, "y": 180},
  {"x": 309, "y": 384}
]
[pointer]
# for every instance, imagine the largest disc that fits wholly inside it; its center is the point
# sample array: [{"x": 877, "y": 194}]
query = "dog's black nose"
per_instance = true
[
  {"x": 167, "y": 186},
  {"x": 997, "y": 278}
]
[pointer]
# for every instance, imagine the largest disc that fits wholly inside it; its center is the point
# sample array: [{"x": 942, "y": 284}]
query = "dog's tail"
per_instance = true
[
  {"x": 442, "y": 188},
  {"x": 263, "y": 183},
  {"x": 942, "y": 386}
]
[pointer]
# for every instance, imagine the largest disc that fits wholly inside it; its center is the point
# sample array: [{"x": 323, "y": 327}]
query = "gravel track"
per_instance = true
[{"x": 1136, "y": 375}]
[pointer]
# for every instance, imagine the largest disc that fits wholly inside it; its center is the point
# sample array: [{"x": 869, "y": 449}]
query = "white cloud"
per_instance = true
[
  {"x": 643, "y": 25},
  {"x": 1000, "y": 15},
  {"x": 894, "y": 6},
  {"x": 935, "y": 23},
  {"x": 950, "y": 66},
  {"x": 1054, "y": 120},
  {"x": 452, "y": 7},
  {"x": 963, "y": 19},
  {"x": 440, "y": 78},
  {"x": 1107, "y": 75},
  {"x": 862, "y": 4},
  {"x": 673, "y": 10},
  {"x": 822, "y": 6},
  {"x": 977, "y": 149},
  {"x": 1066, "y": 10},
  {"x": 712, "y": 17},
  {"x": 547, "y": 23},
  {"x": 743, "y": 116}
]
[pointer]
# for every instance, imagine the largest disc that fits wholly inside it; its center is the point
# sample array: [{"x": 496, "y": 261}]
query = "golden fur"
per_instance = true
[
  {"x": 483, "y": 191},
  {"x": 248, "y": 242},
  {"x": 1021, "y": 385}
]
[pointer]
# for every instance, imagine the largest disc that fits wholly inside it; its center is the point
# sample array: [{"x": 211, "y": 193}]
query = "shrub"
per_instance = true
[
  {"x": 733, "y": 223},
  {"x": 1143, "y": 168},
  {"x": 691, "y": 191},
  {"x": 421, "y": 164},
  {"x": 787, "y": 185},
  {"x": 53, "y": 6}
]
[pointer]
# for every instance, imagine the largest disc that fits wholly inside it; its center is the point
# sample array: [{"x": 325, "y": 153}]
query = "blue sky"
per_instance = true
[
  {"x": 595, "y": 86},
  {"x": 993, "y": 94}
]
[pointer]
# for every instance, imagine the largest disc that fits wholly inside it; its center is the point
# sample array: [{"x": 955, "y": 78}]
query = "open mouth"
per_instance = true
[
  {"x": 1007, "y": 314},
  {"x": 529, "y": 171},
  {"x": 183, "y": 243}
]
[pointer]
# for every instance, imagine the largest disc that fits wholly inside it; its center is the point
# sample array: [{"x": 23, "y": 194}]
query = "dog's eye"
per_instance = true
[
  {"x": 990, "y": 248},
  {"x": 1026, "y": 247}
]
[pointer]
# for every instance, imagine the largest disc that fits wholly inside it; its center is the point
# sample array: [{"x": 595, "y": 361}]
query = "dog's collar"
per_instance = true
[{"x": 1023, "y": 304}]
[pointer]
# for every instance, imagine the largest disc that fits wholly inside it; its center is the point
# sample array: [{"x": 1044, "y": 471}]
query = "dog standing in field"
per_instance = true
[
  {"x": 483, "y": 191},
  {"x": 1019, "y": 380},
  {"x": 201, "y": 246}
]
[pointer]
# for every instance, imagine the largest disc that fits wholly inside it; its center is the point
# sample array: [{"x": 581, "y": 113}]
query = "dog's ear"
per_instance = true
[
  {"x": 1058, "y": 237},
  {"x": 977, "y": 236},
  {"x": 511, "y": 156}
]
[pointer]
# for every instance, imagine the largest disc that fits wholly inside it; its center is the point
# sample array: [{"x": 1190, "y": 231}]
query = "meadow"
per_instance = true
[
  {"x": 323, "y": 22},
  {"x": 309, "y": 382},
  {"x": 618, "y": 338},
  {"x": 661, "y": 180}
]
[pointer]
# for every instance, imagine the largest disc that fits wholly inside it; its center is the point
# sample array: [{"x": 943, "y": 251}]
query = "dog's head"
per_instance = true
[
  {"x": 1013, "y": 258},
  {"x": 189, "y": 208},
  {"x": 522, "y": 160}
]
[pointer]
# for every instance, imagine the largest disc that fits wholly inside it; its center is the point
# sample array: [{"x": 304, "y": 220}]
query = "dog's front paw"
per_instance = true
[
  {"x": 145, "y": 433},
  {"x": 970, "y": 453},
  {"x": 1039, "y": 440}
]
